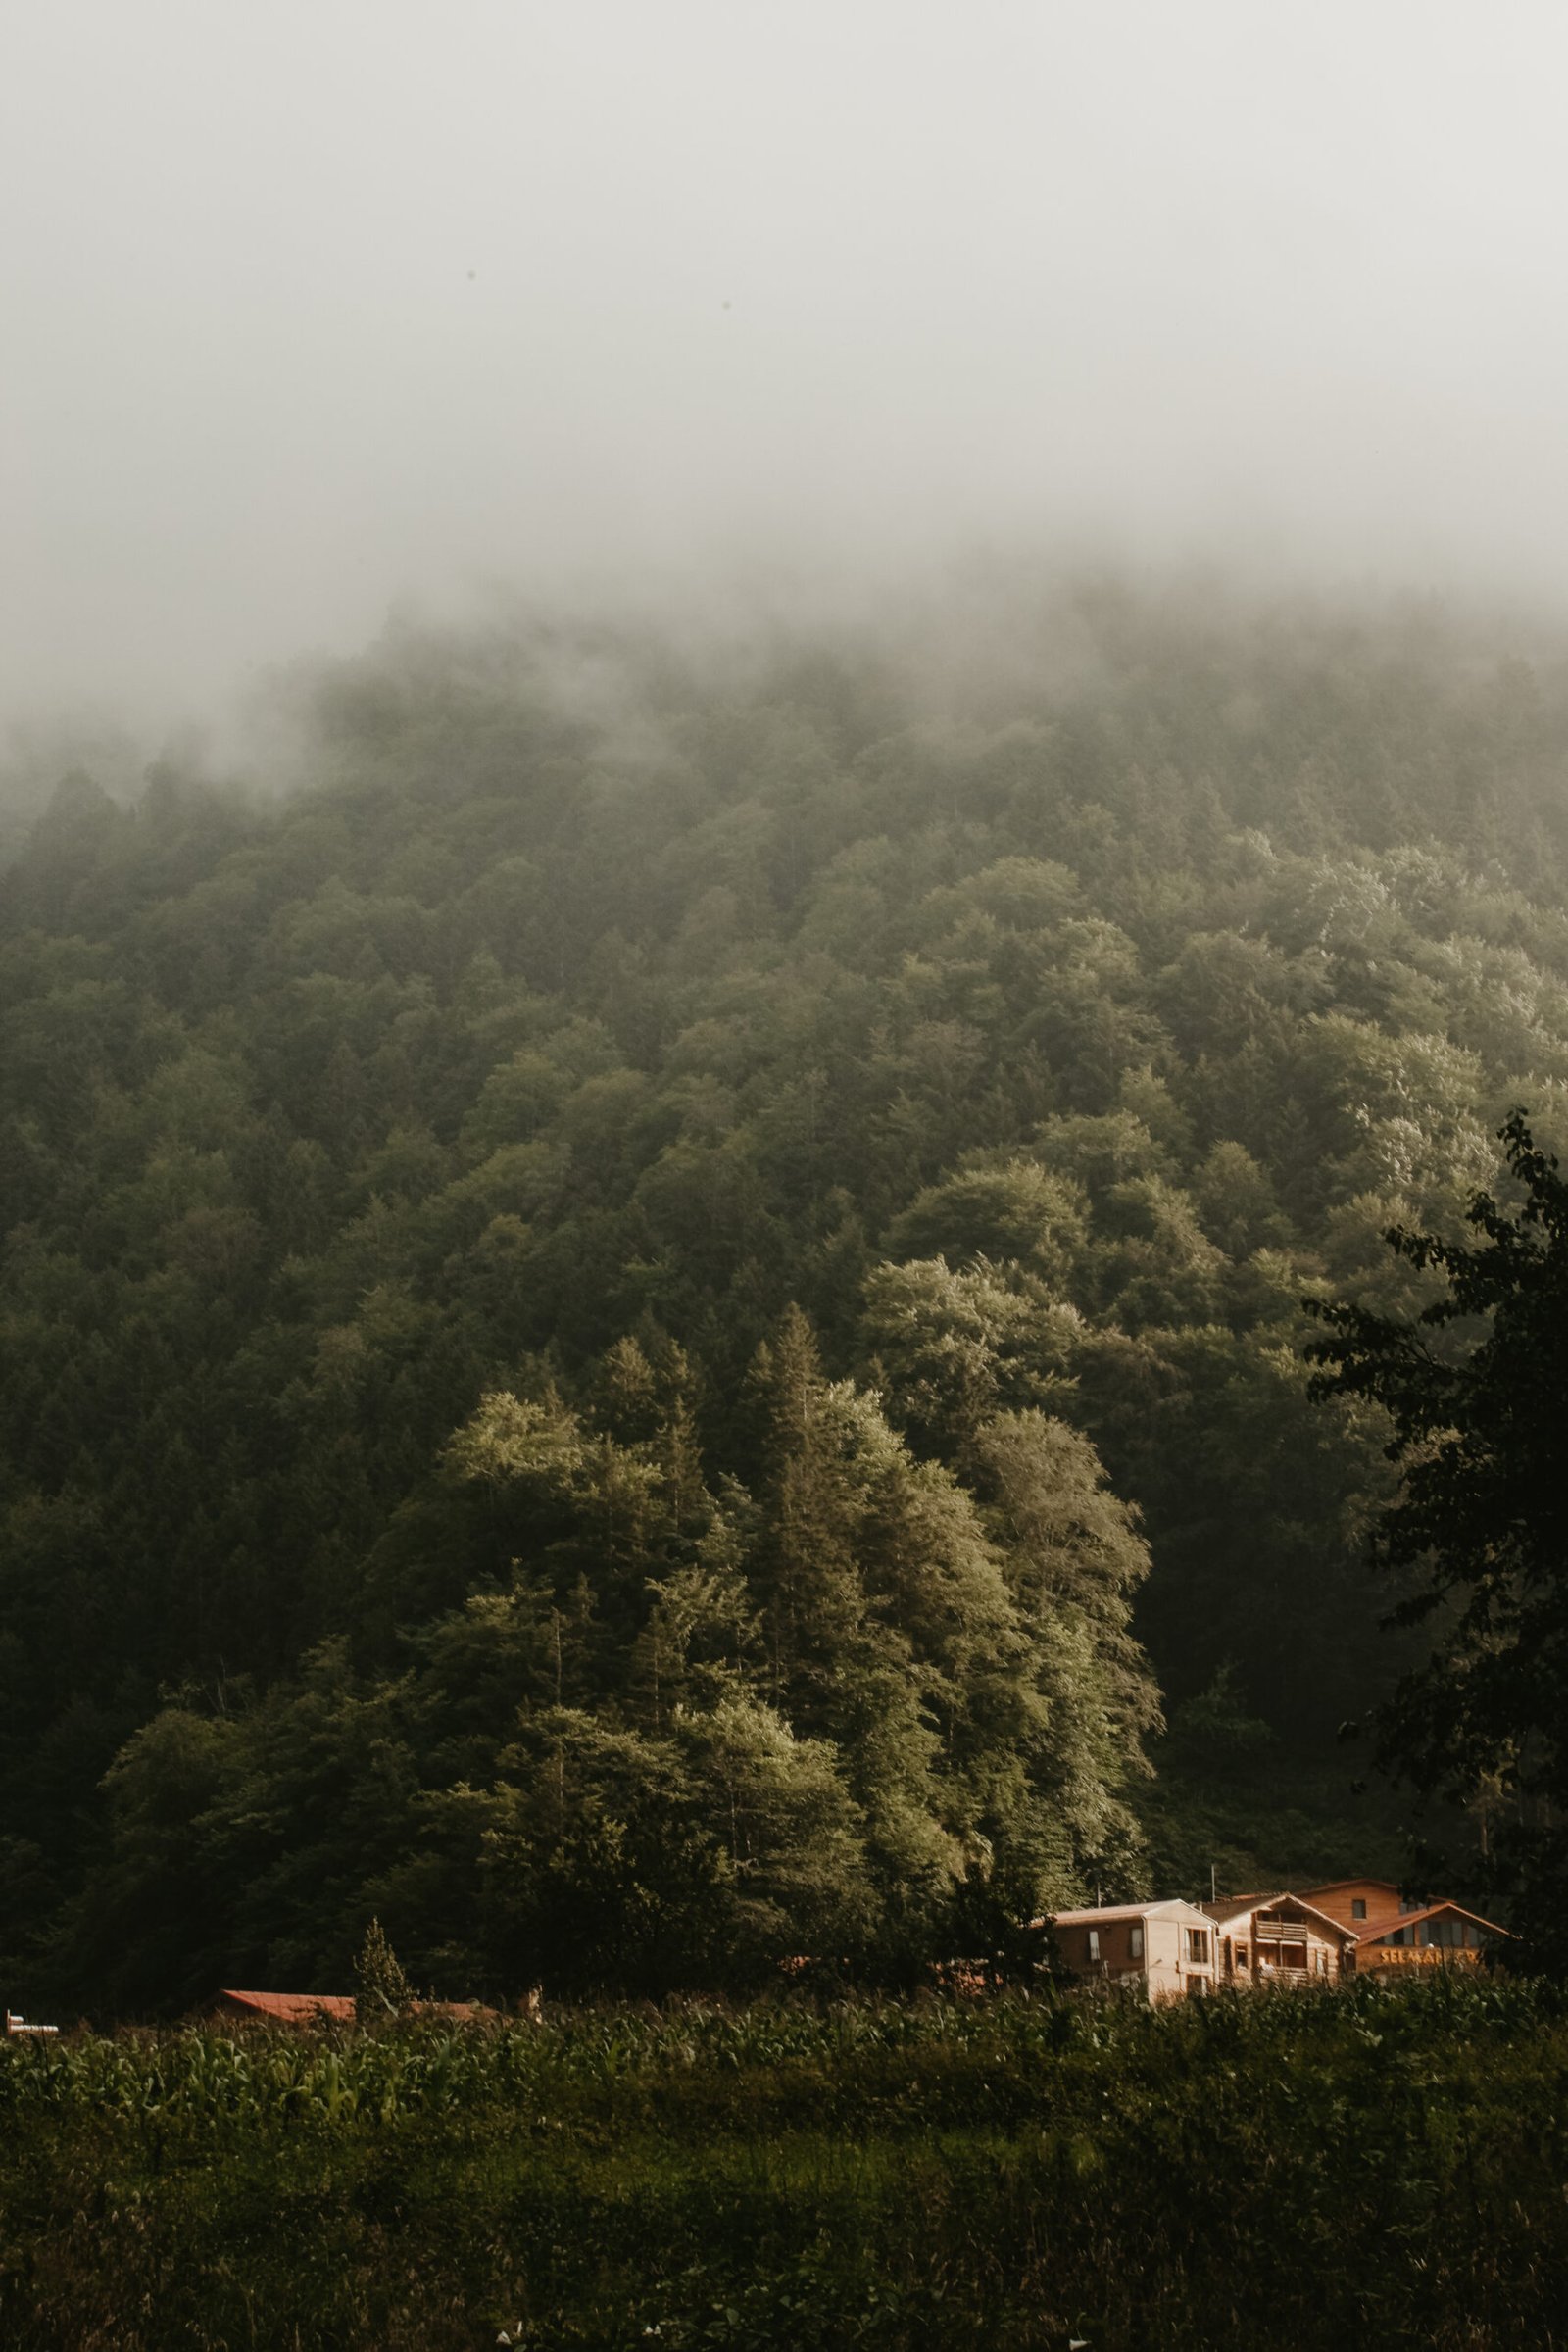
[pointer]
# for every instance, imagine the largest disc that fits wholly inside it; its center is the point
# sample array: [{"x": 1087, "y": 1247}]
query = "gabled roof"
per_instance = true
[
  {"x": 1232, "y": 1907},
  {"x": 1104, "y": 1914},
  {"x": 293, "y": 2008},
  {"x": 1228, "y": 1905},
  {"x": 1379, "y": 1930},
  {"x": 1334, "y": 1885}
]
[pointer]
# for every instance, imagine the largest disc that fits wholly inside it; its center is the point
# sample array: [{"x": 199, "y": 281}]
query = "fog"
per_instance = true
[{"x": 336, "y": 307}]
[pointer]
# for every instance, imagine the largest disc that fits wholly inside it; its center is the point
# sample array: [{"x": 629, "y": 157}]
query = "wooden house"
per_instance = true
[
  {"x": 1278, "y": 1939},
  {"x": 1157, "y": 1952},
  {"x": 1359, "y": 1904},
  {"x": 1436, "y": 1935},
  {"x": 1394, "y": 1931}
]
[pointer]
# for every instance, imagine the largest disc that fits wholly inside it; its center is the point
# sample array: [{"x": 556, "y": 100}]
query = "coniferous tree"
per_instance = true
[{"x": 380, "y": 1988}]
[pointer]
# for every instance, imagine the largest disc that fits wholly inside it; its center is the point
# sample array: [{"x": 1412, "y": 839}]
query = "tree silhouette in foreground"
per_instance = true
[{"x": 1482, "y": 1521}]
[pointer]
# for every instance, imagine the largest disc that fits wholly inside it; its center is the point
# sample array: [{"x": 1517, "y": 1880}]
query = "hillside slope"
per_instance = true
[{"x": 999, "y": 1027}]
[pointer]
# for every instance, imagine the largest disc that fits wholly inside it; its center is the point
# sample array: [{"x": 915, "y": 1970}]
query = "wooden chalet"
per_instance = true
[
  {"x": 1358, "y": 1904},
  {"x": 1279, "y": 1939},
  {"x": 1395, "y": 1933},
  {"x": 1157, "y": 1951},
  {"x": 1438, "y": 1936}
]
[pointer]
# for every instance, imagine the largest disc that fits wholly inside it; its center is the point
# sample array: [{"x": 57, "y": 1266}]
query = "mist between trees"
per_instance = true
[{"x": 658, "y": 1325}]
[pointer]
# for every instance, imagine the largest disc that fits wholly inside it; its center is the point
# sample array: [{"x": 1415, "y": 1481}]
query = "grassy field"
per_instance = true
[{"x": 1001, "y": 2175}]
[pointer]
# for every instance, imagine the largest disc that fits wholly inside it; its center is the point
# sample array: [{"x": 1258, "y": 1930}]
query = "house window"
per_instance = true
[
  {"x": 1094, "y": 1945},
  {"x": 1135, "y": 1941},
  {"x": 1198, "y": 1944},
  {"x": 1293, "y": 1955},
  {"x": 1359, "y": 1907},
  {"x": 1452, "y": 1933},
  {"x": 1243, "y": 1957}
]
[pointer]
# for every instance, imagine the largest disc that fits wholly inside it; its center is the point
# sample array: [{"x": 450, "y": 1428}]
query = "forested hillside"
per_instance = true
[{"x": 659, "y": 1322}]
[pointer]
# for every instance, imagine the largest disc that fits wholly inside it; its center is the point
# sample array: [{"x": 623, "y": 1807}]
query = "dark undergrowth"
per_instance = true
[{"x": 1001, "y": 2175}]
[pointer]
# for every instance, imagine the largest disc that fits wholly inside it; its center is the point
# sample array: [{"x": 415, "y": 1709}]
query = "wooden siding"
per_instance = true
[
  {"x": 1270, "y": 1942},
  {"x": 1380, "y": 1896}
]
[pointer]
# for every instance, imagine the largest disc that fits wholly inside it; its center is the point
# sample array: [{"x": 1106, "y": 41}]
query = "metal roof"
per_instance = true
[
  {"x": 1379, "y": 1930},
  {"x": 1172, "y": 1907},
  {"x": 312, "y": 2008},
  {"x": 293, "y": 2008}
]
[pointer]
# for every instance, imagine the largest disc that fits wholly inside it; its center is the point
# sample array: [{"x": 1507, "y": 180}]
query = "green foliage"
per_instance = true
[
  {"x": 644, "y": 1732},
  {"x": 380, "y": 1988},
  {"x": 1474, "y": 1387},
  {"x": 1019, "y": 2171},
  {"x": 398, "y": 1182}
]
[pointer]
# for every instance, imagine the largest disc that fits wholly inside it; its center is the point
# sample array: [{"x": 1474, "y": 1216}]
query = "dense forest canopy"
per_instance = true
[
  {"x": 1480, "y": 1520},
  {"x": 659, "y": 1323}
]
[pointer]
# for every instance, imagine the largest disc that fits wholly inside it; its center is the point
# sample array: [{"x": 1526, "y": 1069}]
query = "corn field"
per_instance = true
[{"x": 1012, "y": 2173}]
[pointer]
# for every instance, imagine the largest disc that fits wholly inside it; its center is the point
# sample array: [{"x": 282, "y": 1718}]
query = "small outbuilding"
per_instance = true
[
  {"x": 287, "y": 2008},
  {"x": 306, "y": 2009}
]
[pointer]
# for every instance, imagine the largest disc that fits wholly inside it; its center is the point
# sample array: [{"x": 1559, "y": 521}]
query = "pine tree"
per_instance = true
[{"x": 380, "y": 1988}]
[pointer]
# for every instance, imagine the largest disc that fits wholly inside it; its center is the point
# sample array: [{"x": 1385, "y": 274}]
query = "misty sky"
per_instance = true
[{"x": 315, "y": 305}]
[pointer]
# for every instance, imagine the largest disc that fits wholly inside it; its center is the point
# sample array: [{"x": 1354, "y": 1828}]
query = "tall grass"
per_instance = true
[{"x": 1001, "y": 2175}]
